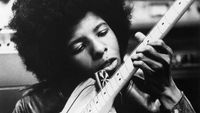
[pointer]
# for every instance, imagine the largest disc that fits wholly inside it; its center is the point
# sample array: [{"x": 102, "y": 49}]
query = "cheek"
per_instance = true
[
  {"x": 83, "y": 61},
  {"x": 112, "y": 42}
]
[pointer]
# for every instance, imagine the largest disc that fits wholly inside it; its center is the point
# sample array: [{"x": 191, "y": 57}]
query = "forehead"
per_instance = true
[
  {"x": 86, "y": 25},
  {"x": 89, "y": 21}
]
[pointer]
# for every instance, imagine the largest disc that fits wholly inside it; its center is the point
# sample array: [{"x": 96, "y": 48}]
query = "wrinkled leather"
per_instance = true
[
  {"x": 183, "y": 106},
  {"x": 45, "y": 100}
]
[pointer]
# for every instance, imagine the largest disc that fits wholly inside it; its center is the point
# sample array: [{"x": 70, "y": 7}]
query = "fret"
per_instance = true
[
  {"x": 171, "y": 15},
  {"x": 180, "y": 5},
  {"x": 118, "y": 78},
  {"x": 109, "y": 89},
  {"x": 129, "y": 65},
  {"x": 169, "y": 19},
  {"x": 101, "y": 99},
  {"x": 155, "y": 33},
  {"x": 124, "y": 72},
  {"x": 91, "y": 108},
  {"x": 113, "y": 84},
  {"x": 97, "y": 103},
  {"x": 105, "y": 94},
  {"x": 163, "y": 25}
]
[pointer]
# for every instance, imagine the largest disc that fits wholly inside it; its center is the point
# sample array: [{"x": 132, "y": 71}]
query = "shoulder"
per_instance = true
[
  {"x": 26, "y": 104},
  {"x": 81, "y": 95},
  {"x": 39, "y": 99}
]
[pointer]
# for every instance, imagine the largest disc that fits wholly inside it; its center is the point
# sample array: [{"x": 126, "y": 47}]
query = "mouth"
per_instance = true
[{"x": 110, "y": 65}]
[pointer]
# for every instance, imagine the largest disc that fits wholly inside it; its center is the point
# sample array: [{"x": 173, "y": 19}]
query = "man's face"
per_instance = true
[{"x": 93, "y": 45}]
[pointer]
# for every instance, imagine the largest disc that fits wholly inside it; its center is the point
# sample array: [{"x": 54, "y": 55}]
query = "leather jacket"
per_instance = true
[{"x": 51, "y": 100}]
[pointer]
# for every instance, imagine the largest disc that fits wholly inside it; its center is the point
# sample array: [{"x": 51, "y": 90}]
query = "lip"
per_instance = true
[{"x": 110, "y": 64}]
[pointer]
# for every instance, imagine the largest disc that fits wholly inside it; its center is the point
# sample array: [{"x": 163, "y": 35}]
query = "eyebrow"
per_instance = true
[{"x": 98, "y": 26}]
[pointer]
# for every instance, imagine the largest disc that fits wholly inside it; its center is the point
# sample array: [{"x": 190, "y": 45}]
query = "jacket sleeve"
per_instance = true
[
  {"x": 22, "y": 107},
  {"x": 183, "y": 106}
]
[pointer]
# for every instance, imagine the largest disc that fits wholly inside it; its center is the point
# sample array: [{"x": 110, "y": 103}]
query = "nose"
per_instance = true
[{"x": 98, "y": 49}]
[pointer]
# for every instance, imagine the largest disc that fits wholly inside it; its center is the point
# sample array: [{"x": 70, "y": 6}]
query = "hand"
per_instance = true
[{"x": 154, "y": 60}]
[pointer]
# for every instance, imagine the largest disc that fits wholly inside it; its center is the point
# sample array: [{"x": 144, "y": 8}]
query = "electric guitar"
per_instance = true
[{"x": 103, "y": 101}]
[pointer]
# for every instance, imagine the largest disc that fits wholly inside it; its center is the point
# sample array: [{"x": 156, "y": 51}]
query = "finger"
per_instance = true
[
  {"x": 145, "y": 68},
  {"x": 151, "y": 81},
  {"x": 161, "y": 47},
  {"x": 140, "y": 36},
  {"x": 155, "y": 65},
  {"x": 150, "y": 52}
]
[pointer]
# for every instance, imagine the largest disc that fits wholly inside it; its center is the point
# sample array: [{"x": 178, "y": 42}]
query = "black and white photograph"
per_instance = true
[{"x": 99, "y": 56}]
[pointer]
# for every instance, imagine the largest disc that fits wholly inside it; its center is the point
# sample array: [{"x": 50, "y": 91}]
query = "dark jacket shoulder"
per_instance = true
[{"x": 40, "y": 98}]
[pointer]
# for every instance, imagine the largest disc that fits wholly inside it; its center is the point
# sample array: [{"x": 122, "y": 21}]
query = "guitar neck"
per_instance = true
[{"x": 126, "y": 70}]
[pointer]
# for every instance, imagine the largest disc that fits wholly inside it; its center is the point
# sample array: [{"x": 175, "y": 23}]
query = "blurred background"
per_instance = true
[{"x": 184, "y": 39}]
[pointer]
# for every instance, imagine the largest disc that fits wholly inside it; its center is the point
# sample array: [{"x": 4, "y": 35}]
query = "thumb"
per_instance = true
[{"x": 140, "y": 36}]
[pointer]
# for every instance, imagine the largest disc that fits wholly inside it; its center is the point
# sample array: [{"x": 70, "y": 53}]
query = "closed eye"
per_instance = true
[
  {"x": 78, "y": 47},
  {"x": 102, "y": 32},
  {"x": 101, "y": 29}
]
